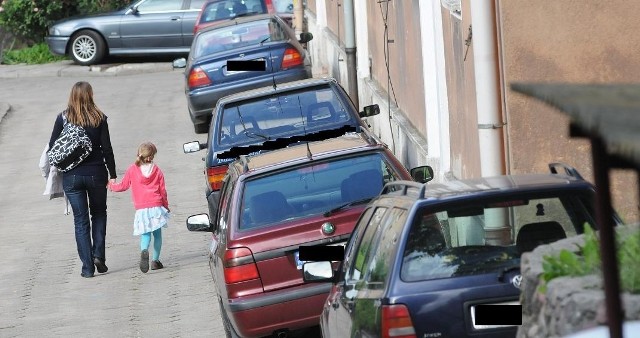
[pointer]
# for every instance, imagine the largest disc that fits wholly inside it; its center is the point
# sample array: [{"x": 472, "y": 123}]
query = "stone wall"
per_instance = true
[{"x": 570, "y": 304}]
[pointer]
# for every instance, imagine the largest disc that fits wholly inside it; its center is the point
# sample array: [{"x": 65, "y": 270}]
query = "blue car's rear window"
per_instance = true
[
  {"x": 281, "y": 115},
  {"x": 480, "y": 236}
]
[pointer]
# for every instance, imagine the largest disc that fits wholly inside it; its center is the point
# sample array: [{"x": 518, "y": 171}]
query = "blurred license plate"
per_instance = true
[
  {"x": 299, "y": 263},
  {"x": 243, "y": 66}
]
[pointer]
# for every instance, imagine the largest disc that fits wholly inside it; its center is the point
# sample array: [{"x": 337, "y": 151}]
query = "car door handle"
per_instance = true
[{"x": 175, "y": 18}]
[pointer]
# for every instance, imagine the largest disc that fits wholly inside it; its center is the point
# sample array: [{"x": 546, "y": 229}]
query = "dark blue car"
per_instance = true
[
  {"x": 443, "y": 260},
  {"x": 242, "y": 54}
]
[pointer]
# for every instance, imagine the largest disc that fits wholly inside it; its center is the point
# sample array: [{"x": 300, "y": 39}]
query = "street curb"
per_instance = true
[{"x": 67, "y": 68}]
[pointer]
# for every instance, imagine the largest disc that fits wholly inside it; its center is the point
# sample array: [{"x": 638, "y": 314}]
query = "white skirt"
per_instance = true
[{"x": 150, "y": 219}]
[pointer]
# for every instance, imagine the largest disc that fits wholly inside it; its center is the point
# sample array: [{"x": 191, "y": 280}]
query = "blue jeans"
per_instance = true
[{"x": 88, "y": 196}]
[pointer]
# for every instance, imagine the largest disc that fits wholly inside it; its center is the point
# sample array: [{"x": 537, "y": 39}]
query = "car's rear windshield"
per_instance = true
[
  {"x": 482, "y": 236},
  {"x": 281, "y": 115},
  {"x": 238, "y": 36},
  {"x": 227, "y": 9},
  {"x": 314, "y": 189}
]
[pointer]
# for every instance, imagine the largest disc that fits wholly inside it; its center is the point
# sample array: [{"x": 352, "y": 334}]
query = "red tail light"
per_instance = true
[
  {"x": 215, "y": 176},
  {"x": 239, "y": 266},
  {"x": 291, "y": 58},
  {"x": 396, "y": 322},
  {"x": 198, "y": 78}
]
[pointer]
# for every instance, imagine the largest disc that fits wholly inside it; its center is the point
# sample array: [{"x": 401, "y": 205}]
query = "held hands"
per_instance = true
[{"x": 110, "y": 182}]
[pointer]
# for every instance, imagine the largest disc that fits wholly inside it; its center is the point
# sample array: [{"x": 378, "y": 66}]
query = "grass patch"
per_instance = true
[{"x": 34, "y": 55}]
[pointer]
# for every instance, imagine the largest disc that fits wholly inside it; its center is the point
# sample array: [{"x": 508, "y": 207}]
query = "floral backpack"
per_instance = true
[{"x": 71, "y": 148}]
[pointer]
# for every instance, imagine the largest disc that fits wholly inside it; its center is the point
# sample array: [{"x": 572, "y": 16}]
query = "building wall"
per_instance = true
[{"x": 587, "y": 41}]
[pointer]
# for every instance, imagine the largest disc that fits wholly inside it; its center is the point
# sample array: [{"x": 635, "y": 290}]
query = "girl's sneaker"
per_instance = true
[
  {"x": 144, "y": 261},
  {"x": 156, "y": 265}
]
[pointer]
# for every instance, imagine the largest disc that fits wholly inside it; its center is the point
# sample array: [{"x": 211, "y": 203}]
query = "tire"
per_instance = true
[
  {"x": 87, "y": 48},
  {"x": 228, "y": 328},
  {"x": 201, "y": 128}
]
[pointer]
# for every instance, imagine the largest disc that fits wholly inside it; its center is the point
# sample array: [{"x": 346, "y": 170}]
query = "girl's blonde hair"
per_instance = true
[
  {"x": 81, "y": 109},
  {"x": 146, "y": 152}
]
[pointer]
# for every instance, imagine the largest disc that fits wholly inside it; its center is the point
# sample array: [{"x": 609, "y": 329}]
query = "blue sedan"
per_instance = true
[{"x": 242, "y": 54}]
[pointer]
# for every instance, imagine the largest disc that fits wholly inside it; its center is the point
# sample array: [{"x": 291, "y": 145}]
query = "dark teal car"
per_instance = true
[
  {"x": 146, "y": 27},
  {"x": 443, "y": 260}
]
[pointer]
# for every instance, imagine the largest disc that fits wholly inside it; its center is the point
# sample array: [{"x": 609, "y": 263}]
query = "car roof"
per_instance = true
[
  {"x": 238, "y": 20},
  {"x": 280, "y": 88},
  {"x": 495, "y": 185},
  {"x": 346, "y": 144}
]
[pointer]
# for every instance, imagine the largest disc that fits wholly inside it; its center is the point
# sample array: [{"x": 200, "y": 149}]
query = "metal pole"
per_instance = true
[
  {"x": 298, "y": 14},
  {"x": 608, "y": 253},
  {"x": 350, "y": 50}
]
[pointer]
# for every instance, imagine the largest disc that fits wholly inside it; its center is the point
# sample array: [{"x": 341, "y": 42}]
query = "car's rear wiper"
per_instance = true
[
  {"x": 249, "y": 133},
  {"x": 346, "y": 205}
]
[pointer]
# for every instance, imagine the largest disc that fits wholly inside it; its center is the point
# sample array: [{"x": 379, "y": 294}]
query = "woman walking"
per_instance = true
[{"x": 86, "y": 184}]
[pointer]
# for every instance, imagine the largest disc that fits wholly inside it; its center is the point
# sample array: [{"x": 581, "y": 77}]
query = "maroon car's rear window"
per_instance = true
[{"x": 314, "y": 189}]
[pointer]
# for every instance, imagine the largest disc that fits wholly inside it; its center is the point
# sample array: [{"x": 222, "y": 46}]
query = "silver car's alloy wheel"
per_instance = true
[{"x": 84, "y": 48}]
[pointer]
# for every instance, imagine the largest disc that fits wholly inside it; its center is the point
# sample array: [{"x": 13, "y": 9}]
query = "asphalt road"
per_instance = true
[{"x": 41, "y": 291}]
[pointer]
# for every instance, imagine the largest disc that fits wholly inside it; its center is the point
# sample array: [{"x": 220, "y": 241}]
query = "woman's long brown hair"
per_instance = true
[{"x": 82, "y": 110}]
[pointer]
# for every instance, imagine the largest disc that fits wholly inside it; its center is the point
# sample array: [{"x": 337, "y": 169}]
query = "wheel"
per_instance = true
[
  {"x": 228, "y": 329},
  {"x": 200, "y": 128},
  {"x": 87, "y": 48}
]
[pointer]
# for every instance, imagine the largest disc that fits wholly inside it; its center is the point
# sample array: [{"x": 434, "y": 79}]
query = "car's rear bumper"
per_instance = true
[
  {"x": 57, "y": 44},
  {"x": 294, "y": 308},
  {"x": 201, "y": 101}
]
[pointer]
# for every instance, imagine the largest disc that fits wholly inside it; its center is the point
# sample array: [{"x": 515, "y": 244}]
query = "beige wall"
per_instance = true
[
  {"x": 405, "y": 56},
  {"x": 463, "y": 119},
  {"x": 586, "y": 41}
]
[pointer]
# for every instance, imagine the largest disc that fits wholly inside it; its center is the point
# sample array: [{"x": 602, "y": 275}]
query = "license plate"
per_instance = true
[
  {"x": 233, "y": 72},
  {"x": 483, "y": 327},
  {"x": 299, "y": 263}
]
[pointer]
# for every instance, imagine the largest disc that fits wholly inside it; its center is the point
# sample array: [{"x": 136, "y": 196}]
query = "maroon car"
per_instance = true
[{"x": 309, "y": 194}]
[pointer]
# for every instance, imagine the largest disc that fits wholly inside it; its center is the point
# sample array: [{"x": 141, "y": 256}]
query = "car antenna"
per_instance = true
[{"x": 304, "y": 127}]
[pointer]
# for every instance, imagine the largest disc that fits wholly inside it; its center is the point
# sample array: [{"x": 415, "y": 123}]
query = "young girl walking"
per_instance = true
[{"x": 150, "y": 201}]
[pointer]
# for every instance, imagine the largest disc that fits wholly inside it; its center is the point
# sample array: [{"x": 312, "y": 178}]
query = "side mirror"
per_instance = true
[
  {"x": 192, "y": 147},
  {"x": 371, "y": 110},
  {"x": 134, "y": 10},
  {"x": 315, "y": 272},
  {"x": 305, "y": 37},
  {"x": 180, "y": 63},
  {"x": 199, "y": 222},
  {"x": 422, "y": 174}
]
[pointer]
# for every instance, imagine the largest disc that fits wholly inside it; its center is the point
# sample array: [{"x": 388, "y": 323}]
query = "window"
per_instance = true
[
  {"x": 313, "y": 189},
  {"x": 354, "y": 241},
  {"x": 356, "y": 272},
  {"x": 196, "y": 4},
  {"x": 293, "y": 113},
  {"x": 160, "y": 6},
  {"x": 382, "y": 252}
]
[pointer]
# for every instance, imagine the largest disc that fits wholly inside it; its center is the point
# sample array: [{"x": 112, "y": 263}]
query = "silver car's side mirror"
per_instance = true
[
  {"x": 317, "y": 272},
  {"x": 192, "y": 147},
  {"x": 179, "y": 63},
  {"x": 199, "y": 222}
]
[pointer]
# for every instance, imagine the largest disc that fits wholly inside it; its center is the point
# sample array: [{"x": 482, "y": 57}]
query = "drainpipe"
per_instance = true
[
  {"x": 298, "y": 14},
  {"x": 488, "y": 94},
  {"x": 350, "y": 50}
]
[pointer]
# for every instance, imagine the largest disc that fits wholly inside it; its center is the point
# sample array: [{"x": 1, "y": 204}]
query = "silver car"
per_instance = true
[{"x": 143, "y": 28}]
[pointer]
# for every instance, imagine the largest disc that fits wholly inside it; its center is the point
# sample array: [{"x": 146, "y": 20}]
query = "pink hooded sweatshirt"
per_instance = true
[{"x": 147, "y": 192}]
